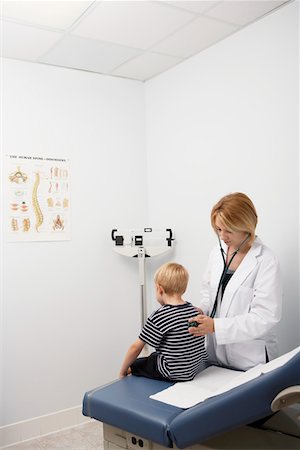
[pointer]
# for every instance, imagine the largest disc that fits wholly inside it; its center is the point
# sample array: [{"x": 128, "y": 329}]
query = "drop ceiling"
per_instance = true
[{"x": 131, "y": 39}]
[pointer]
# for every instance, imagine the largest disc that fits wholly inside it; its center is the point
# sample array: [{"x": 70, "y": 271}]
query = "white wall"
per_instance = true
[
  {"x": 65, "y": 302},
  {"x": 226, "y": 121}
]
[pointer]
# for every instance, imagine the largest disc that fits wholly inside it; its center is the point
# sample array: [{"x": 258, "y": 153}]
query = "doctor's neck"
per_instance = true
[
  {"x": 241, "y": 247},
  {"x": 242, "y": 251}
]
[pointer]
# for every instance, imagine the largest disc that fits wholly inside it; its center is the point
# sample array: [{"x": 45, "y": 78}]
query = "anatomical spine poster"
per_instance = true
[{"x": 38, "y": 198}]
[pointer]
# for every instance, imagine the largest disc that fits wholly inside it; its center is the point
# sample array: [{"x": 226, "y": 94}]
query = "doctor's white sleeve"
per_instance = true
[{"x": 264, "y": 308}]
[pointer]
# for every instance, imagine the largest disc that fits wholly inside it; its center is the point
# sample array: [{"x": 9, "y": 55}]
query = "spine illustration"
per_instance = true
[{"x": 36, "y": 206}]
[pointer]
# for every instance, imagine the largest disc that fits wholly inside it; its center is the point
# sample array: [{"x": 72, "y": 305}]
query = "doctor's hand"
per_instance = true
[{"x": 205, "y": 325}]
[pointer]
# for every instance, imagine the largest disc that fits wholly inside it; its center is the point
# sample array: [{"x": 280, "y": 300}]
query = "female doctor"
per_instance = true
[{"x": 241, "y": 293}]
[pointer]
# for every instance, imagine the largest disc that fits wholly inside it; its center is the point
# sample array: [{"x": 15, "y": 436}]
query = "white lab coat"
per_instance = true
[{"x": 251, "y": 307}]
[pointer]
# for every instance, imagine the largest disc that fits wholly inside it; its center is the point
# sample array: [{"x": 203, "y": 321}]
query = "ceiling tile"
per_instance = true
[
  {"x": 193, "y": 38},
  {"x": 243, "y": 11},
  {"x": 54, "y": 14},
  {"x": 24, "y": 42},
  {"x": 198, "y": 7},
  {"x": 88, "y": 54},
  {"x": 146, "y": 66},
  {"x": 138, "y": 24},
  {"x": 111, "y": 36}
]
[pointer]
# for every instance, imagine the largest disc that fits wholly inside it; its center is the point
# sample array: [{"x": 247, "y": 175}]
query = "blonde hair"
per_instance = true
[
  {"x": 237, "y": 213},
  {"x": 172, "y": 277}
]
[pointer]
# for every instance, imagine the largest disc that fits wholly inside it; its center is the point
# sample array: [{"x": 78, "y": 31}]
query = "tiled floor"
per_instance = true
[{"x": 82, "y": 437}]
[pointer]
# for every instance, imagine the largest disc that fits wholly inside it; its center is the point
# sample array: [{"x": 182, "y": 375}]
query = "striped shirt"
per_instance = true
[{"x": 180, "y": 355}]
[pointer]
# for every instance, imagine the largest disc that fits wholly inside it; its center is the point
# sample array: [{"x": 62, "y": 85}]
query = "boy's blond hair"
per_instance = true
[{"x": 172, "y": 277}]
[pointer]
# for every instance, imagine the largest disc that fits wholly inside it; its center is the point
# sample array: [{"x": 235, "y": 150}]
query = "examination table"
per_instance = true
[{"x": 259, "y": 414}]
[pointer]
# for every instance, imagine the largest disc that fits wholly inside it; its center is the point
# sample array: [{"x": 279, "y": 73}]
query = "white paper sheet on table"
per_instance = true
[{"x": 214, "y": 381}]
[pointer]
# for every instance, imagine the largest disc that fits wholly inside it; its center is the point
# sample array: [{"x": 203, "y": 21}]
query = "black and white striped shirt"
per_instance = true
[{"x": 180, "y": 355}]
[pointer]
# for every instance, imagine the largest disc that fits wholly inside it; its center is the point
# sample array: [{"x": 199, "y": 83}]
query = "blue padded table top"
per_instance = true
[
  {"x": 125, "y": 404},
  {"x": 242, "y": 405}
]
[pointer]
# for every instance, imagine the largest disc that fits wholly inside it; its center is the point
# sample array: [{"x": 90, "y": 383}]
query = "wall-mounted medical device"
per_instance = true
[
  {"x": 155, "y": 242},
  {"x": 142, "y": 243}
]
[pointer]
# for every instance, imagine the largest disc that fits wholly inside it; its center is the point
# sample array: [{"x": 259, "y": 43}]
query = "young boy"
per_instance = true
[{"x": 179, "y": 356}]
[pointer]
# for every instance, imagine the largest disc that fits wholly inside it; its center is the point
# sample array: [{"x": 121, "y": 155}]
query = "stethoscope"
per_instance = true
[{"x": 225, "y": 270}]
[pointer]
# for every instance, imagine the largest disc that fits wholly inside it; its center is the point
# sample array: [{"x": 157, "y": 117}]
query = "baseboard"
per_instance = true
[{"x": 40, "y": 426}]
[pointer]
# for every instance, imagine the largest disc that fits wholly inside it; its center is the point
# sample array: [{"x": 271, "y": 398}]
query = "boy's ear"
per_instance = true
[{"x": 160, "y": 289}]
